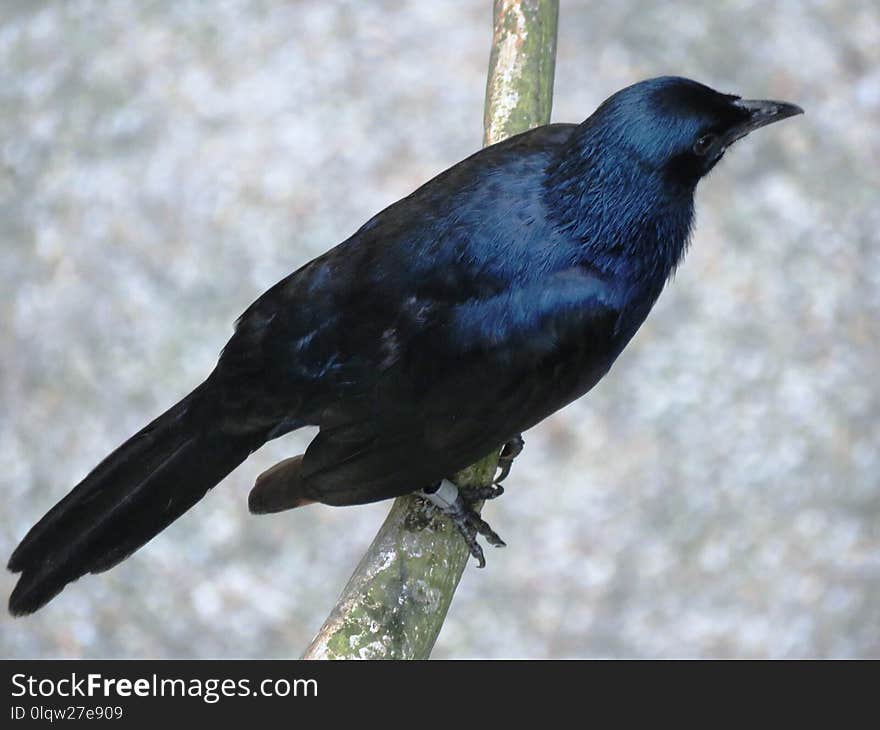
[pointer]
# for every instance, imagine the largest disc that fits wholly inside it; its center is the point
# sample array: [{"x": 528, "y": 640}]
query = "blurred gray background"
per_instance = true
[{"x": 162, "y": 163}]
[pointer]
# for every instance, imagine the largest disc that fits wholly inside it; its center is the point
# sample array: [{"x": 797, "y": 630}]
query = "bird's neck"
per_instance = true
[{"x": 628, "y": 222}]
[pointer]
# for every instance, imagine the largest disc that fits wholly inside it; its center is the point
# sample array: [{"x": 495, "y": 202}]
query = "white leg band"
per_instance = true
[{"x": 445, "y": 497}]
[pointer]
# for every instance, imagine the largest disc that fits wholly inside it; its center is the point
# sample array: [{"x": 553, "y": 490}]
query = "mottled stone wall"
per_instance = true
[{"x": 718, "y": 494}]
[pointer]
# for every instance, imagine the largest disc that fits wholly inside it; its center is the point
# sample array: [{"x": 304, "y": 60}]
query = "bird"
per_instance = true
[{"x": 447, "y": 325}]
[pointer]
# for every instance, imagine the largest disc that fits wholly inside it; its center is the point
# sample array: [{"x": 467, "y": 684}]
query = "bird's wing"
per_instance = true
[
  {"x": 329, "y": 330},
  {"x": 471, "y": 376}
]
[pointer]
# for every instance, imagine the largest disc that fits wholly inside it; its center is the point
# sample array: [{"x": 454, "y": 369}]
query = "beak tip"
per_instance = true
[{"x": 784, "y": 110}]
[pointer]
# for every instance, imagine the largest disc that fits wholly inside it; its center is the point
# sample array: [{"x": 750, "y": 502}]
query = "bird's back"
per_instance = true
[{"x": 478, "y": 228}]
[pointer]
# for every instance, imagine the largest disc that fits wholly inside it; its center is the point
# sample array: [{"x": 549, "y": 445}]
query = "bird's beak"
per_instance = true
[{"x": 761, "y": 113}]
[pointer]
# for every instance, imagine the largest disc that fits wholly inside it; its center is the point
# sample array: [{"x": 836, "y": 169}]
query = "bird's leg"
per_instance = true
[
  {"x": 511, "y": 450},
  {"x": 449, "y": 500}
]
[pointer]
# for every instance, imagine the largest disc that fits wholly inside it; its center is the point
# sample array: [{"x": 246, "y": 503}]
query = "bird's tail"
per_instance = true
[{"x": 131, "y": 496}]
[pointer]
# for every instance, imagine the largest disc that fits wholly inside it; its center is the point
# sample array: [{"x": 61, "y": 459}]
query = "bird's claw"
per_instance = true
[
  {"x": 449, "y": 500},
  {"x": 475, "y": 494},
  {"x": 470, "y": 524},
  {"x": 511, "y": 450}
]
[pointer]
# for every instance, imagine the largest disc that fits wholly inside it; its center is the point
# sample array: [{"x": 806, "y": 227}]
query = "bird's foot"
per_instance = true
[
  {"x": 511, "y": 450},
  {"x": 475, "y": 494},
  {"x": 449, "y": 500}
]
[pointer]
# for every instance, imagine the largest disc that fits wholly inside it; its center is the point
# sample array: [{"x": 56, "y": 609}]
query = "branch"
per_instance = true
[
  {"x": 394, "y": 604},
  {"x": 519, "y": 91}
]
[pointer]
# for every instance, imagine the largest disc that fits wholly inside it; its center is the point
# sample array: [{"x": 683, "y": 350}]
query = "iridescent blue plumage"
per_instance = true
[{"x": 458, "y": 317}]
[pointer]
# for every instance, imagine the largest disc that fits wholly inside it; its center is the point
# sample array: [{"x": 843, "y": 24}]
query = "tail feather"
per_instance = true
[{"x": 131, "y": 496}]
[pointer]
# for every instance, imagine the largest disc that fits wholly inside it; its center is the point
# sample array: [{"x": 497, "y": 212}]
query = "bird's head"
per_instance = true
[{"x": 679, "y": 127}]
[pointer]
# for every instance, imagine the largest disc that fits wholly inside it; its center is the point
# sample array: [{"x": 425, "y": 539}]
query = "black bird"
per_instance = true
[{"x": 455, "y": 319}]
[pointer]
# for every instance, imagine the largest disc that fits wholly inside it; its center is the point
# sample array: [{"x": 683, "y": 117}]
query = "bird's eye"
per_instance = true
[{"x": 702, "y": 145}]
